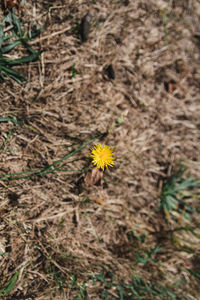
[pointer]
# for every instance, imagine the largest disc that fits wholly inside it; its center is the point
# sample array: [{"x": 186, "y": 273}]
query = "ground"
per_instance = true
[{"x": 134, "y": 85}]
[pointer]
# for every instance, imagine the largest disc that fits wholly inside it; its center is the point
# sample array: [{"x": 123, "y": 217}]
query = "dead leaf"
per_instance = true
[
  {"x": 99, "y": 200},
  {"x": 93, "y": 177}
]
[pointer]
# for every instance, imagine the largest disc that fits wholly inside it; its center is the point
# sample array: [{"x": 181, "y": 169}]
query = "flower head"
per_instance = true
[{"x": 102, "y": 156}]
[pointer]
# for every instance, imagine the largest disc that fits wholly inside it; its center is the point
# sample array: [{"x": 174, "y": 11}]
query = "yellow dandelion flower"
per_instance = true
[{"x": 102, "y": 156}]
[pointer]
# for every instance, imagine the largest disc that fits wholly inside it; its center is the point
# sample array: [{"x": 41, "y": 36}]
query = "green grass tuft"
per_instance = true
[
  {"x": 11, "y": 41},
  {"x": 172, "y": 198}
]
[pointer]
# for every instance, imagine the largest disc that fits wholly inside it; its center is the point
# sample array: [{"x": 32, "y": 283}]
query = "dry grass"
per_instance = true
[{"x": 53, "y": 228}]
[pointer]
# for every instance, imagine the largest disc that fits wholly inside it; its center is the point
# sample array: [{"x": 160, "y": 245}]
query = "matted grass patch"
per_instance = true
[{"x": 127, "y": 78}]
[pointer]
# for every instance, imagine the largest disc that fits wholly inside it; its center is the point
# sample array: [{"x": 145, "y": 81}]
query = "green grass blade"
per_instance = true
[
  {"x": 188, "y": 183},
  {"x": 51, "y": 168},
  {"x": 10, "y": 46},
  {"x": 34, "y": 33},
  {"x": 1, "y": 36},
  {"x": 17, "y": 23},
  {"x": 12, "y": 74},
  {"x": 10, "y": 285},
  {"x": 8, "y": 19},
  {"x": 25, "y": 59},
  {"x": 195, "y": 274},
  {"x": 10, "y": 71},
  {"x": 121, "y": 292},
  {"x": 2, "y": 76},
  {"x": 171, "y": 202},
  {"x": 7, "y": 139}
]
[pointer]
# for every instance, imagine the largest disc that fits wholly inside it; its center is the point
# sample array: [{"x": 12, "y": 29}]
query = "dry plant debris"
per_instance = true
[
  {"x": 93, "y": 177},
  {"x": 134, "y": 235}
]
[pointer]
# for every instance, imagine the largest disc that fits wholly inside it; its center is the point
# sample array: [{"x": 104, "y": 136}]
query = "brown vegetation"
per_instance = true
[{"x": 56, "y": 227}]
